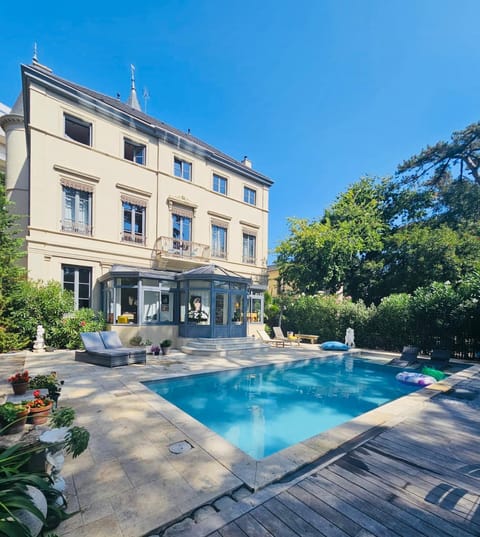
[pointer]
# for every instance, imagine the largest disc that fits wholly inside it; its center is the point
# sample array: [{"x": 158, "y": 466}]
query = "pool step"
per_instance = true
[{"x": 222, "y": 346}]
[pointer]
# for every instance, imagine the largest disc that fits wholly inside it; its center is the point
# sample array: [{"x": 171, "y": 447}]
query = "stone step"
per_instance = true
[{"x": 222, "y": 346}]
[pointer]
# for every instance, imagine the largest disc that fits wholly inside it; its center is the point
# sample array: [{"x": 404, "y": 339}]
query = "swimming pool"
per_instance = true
[{"x": 264, "y": 409}]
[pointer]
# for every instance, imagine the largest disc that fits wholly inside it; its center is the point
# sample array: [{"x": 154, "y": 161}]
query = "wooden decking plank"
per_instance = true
[
  {"x": 273, "y": 524},
  {"x": 418, "y": 451},
  {"x": 358, "y": 497},
  {"x": 364, "y": 520},
  {"x": 252, "y": 527},
  {"x": 417, "y": 482},
  {"x": 292, "y": 519},
  {"x": 348, "y": 482},
  {"x": 431, "y": 471},
  {"x": 416, "y": 500},
  {"x": 412, "y": 510},
  {"x": 327, "y": 518},
  {"x": 232, "y": 530}
]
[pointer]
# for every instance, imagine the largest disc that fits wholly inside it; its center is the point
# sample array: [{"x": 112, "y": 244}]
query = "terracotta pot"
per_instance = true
[
  {"x": 17, "y": 426},
  {"x": 19, "y": 388},
  {"x": 39, "y": 415}
]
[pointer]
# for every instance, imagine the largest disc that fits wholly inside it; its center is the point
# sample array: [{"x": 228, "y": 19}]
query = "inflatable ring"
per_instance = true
[{"x": 415, "y": 378}]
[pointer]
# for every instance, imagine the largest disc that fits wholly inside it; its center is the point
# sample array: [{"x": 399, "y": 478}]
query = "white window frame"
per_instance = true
[
  {"x": 132, "y": 235},
  {"x": 82, "y": 123},
  {"x": 217, "y": 182},
  {"x": 249, "y": 195},
  {"x": 138, "y": 150},
  {"x": 74, "y": 225},
  {"x": 184, "y": 166}
]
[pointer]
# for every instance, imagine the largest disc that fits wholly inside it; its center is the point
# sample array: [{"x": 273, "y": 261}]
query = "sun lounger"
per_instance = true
[
  {"x": 408, "y": 358},
  {"x": 272, "y": 341},
  {"x": 439, "y": 358},
  {"x": 96, "y": 352},
  {"x": 277, "y": 330}
]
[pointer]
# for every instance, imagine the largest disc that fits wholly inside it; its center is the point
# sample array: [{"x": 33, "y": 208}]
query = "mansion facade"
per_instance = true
[{"x": 138, "y": 219}]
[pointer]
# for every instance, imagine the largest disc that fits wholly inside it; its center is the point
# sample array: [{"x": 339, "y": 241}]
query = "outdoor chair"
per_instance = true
[
  {"x": 111, "y": 340},
  {"x": 408, "y": 358},
  {"x": 272, "y": 341},
  {"x": 277, "y": 330},
  {"x": 439, "y": 358},
  {"x": 98, "y": 354}
]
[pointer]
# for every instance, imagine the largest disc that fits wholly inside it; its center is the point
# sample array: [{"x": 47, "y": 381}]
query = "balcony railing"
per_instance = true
[
  {"x": 137, "y": 238},
  {"x": 76, "y": 227},
  {"x": 168, "y": 246}
]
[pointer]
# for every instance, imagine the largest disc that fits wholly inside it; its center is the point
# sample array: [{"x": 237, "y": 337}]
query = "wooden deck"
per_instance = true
[{"x": 420, "y": 478}]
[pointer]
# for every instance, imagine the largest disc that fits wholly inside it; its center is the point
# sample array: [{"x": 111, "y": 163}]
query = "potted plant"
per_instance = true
[
  {"x": 13, "y": 417},
  {"x": 40, "y": 408},
  {"x": 165, "y": 344},
  {"x": 155, "y": 349},
  {"x": 50, "y": 382},
  {"x": 19, "y": 382}
]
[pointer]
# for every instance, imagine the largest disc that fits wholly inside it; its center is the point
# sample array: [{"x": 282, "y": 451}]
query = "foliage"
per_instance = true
[
  {"x": 39, "y": 401},
  {"x": 11, "y": 249},
  {"x": 62, "y": 417},
  {"x": 136, "y": 341},
  {"x": 166, "y": 343},
  {"x": 49, "y": 382},
  {"x": 437, "y": 163},
  {"x": 320, "y": 255},
  {"x": 76, "y": 441},
  {"x": 10, "y": 341},
  {"x": 9, "y": 412},
  {"x": 66, "y": 333},
  {"x": 34, "y": 302}
]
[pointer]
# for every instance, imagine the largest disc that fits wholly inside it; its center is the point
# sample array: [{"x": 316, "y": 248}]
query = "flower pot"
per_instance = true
[
  {"x": 18, "y": 425},
  {"x": 164, "y": 350},
  {"x": 156, "y": 353},
  {"x": 39, "y": 415},
  {"x": 19, "y": 388}
]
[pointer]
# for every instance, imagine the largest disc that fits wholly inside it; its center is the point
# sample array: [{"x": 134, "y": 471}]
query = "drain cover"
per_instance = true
[{"x": 180, "y": 447}]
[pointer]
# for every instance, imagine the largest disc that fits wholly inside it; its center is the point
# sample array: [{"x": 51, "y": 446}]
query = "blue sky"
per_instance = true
[{"x": 317, "y": 93}]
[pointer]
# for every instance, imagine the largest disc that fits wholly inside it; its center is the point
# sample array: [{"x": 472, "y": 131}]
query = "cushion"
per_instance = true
[
  {"x": 92, "y": 341},
  {"x": 334, "y": 346},
  {"x": 111, "y": 340}
]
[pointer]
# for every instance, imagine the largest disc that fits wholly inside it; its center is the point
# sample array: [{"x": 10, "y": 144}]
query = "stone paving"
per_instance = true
[{"x": 129, "y": 483}]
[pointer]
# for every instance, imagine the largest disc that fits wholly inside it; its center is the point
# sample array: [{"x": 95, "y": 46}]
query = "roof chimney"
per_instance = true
[{"x": 246, "y": 162}]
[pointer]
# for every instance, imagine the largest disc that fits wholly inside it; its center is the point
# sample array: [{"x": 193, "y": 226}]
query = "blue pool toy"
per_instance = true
[{"x": 334, "y": 346}]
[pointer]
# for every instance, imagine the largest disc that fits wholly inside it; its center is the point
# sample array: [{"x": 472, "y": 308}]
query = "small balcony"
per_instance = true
[{"x": 176, "y": 254}]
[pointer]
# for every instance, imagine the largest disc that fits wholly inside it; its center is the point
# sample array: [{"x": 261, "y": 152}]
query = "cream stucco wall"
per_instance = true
[{"x": 54, "y": 158}]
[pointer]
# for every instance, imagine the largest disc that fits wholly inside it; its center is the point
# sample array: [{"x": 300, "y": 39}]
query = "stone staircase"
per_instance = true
[{"x": 223, "y": 346}]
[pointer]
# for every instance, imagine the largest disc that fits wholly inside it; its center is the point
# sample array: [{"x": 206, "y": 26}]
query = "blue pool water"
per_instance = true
[{"x": 264, "y": 409}]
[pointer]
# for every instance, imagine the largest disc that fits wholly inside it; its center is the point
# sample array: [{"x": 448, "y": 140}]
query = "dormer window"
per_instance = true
[
  {"x": 78, "y": 130},
  {"x": 134, "y": 151}
]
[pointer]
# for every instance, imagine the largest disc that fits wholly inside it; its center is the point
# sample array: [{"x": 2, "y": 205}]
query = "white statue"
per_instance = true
[
  {"x": 350, "y": 337},
  {"x": 39, "y": 343}
]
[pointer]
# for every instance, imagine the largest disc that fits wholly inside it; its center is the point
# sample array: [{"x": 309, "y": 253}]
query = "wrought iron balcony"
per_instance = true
[
  {"x": 73, "y": 226},
  {"x": 170, "y": 247}
]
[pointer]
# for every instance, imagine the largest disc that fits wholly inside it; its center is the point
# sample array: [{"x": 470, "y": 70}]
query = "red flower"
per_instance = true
[
  {"x": 36, "y": 393},
  {"x": 82, "y": 323},
  {"x": 19, "y": 377}
]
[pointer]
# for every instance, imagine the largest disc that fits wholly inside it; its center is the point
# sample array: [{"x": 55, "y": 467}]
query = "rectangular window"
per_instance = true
[
  {"x": 219, "y": 241},
  {"x": 78, "y": 130},
  {"x": 182, "y": 169},
  {"x": 79, "y": 281},
  {"x": 133, "y": 223},
  {"x": 219, "y": 184},
  {"x": 181, "y": 233},
  {"x": 249, "y": 195},
  {"x": 249, "y": 248},
  {"x": 134, "y": 152},
  {"x": 77, "y": 211}
]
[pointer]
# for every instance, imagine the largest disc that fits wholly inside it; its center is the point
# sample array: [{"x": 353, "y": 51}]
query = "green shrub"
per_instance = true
[
  {"x": 32, "y": 303},
  {"x": 11, "y": 342},
  {"x": 66, "y": 334}
]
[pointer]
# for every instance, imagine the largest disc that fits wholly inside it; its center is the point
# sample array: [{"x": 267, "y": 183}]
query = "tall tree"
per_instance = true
[
  {"x": 10, "y": 247},
  {"x": 320, "y": 255},
  {"x": 458, "y": 159}
]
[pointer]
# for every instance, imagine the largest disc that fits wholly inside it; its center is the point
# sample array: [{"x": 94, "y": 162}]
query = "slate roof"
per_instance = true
[{"x": 45, "y": 74}]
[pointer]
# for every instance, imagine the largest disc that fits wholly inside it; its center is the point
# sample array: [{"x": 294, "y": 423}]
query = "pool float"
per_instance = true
[
  {"x": 334, "y": 346},
  {"x": 415, "y": 378}
]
